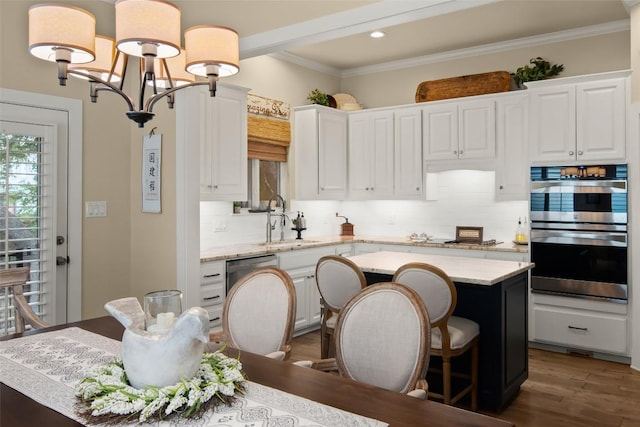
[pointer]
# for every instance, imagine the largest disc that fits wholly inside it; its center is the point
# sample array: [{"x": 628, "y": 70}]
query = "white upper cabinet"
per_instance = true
[
  {"x": 578, "y": 122},
  {"x": 371, "y": 153},
  {"x": 320, "y": 145},
  {"x": 219, "y": 126},
  {"x": 408, "y": 171},
  {"x": 512, "y": 166},
  {"x": 460, "y": 130}
]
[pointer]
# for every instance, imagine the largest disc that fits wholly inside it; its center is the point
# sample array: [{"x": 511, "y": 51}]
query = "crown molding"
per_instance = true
[
  {"x": 629, "y": 4},
  {"x": 559, "y": 36},
  {"x": 307, "y": 63}
]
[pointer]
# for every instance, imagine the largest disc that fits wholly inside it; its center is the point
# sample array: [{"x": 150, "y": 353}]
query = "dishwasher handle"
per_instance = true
[{"x": 236, "y": 265}]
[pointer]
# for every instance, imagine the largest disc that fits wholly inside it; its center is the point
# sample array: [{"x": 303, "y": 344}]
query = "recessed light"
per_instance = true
[{"x": 376, "y": 34}]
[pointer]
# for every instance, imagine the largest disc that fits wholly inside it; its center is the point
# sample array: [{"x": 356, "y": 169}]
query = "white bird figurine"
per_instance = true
[{"x": 160, "y": 359}]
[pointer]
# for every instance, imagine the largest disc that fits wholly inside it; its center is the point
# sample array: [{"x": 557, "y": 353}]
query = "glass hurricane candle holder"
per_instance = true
[{"x": 161, "y": 309}]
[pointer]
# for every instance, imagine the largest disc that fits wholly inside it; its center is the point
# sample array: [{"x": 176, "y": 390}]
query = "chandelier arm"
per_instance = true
[
  {"x": 106, "y": 83},
  {"x": 152, "y": 100}
]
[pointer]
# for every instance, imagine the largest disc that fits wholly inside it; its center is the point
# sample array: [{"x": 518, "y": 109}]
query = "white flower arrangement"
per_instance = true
[{"x": 109, "y": 394}]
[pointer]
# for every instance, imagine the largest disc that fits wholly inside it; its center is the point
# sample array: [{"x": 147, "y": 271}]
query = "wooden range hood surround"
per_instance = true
[{"x": 269, "y": 138}]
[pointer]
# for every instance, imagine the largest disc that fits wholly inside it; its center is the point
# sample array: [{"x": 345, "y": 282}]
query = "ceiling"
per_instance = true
[{"x": 333, "y": 35}]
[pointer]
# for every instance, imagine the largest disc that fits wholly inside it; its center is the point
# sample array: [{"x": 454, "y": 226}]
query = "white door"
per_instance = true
[{"x": 33, "y": 205}]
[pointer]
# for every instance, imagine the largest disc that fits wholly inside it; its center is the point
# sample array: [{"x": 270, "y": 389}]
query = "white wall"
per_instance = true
[{"x": 463, "y": 198}]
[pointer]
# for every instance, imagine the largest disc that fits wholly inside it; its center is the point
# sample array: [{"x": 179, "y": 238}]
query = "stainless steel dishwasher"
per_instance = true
[{"x": 236, "y": 268}]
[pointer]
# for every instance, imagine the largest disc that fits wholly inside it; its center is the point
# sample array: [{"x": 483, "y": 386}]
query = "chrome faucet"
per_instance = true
[{"x": 270, "y": 226}]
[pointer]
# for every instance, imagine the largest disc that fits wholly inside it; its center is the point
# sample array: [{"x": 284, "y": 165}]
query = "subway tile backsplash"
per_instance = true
[{"x": 463, "y": 198}]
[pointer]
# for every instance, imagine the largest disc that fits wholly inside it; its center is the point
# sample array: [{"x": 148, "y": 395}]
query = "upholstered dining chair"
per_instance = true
[
  {"x": 382, "y": 338},
  {"x": 259, "y": 314},
  {"x": 451, "y": 336},
  {"x": 338, "y": 279},
  {"x": 15, "y": 279}
]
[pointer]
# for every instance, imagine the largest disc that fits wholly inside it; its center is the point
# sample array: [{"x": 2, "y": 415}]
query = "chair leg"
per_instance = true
[
  {"x": 474, "y": 377},
  {"x": 446, "y": 380},
  {"x": 325, "y": 341}
]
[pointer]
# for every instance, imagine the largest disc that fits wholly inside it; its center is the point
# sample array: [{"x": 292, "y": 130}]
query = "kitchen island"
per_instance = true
[{"x": 494, "y": 294}]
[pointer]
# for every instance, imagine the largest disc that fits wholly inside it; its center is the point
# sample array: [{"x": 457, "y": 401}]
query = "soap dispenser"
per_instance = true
[{"x": 520, "y": 236}]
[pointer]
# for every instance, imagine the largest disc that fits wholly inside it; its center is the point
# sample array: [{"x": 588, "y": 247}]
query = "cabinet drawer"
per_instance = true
[
  {"x": 215, "y": 315},
  {"x": 212, "y": 272},
  {"x": 212, "y": 294},
  {"x": 579, "y": 329}
]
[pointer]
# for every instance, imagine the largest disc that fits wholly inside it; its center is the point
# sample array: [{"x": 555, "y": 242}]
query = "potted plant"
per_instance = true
[
  {"x": 541, "y": 70},
  {"x": 321, "y": 98}
]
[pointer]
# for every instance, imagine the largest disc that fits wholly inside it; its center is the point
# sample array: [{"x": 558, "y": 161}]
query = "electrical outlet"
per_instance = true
[
  {"x": 220, "y": 227},
  {"x": 95, "y": 209}
]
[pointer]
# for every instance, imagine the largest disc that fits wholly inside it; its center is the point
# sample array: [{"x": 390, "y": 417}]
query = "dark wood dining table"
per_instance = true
[{"x": 18, "y": 410}]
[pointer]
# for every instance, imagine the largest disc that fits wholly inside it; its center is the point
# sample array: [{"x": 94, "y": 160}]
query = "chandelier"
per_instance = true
[{"x": 147, "y": 29}]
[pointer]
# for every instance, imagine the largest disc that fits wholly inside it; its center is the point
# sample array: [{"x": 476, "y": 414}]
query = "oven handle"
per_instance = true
[
  {"x": 586, "y": 238},
  {"x": 580, "y": 186}
]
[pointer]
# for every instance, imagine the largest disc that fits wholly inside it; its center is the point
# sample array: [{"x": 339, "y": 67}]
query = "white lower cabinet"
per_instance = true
[
  {"x": 301, "y": 266},
  {"x": 212, "y": 291},
  {"x": 597, "y": 326}
]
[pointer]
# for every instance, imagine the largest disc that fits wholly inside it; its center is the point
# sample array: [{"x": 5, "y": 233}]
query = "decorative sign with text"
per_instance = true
[
  {"x": 268, "y": 107},
  {"x": 151, "y": 162}
]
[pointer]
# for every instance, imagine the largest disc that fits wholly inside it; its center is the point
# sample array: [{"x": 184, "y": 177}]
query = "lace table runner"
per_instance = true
[{"x": 46, "y": 367}]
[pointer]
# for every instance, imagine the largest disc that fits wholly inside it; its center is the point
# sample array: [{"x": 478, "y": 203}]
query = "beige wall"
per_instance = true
[
  {"x": 634, "y": 52},
  {"x": 592, "y": 55},
  {"x": 130, "y": 252}
]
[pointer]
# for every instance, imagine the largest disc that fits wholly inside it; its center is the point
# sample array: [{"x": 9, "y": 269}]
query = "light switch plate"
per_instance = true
[{"x": 95, "y": 209}]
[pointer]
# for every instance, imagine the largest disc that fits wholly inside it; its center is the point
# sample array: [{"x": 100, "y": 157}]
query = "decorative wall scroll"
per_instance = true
[
  {"x": 151, "y": 176},
  {"x": 268, "y": 107}
]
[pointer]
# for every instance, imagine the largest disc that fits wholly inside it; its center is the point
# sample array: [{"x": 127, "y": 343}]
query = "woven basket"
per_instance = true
[{"x": 457, "y": 87}]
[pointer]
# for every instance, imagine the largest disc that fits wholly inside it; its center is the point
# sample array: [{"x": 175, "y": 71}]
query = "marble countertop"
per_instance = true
[
  {"x": 261, "y": 248},
  {"x": 472, "y": 270}
]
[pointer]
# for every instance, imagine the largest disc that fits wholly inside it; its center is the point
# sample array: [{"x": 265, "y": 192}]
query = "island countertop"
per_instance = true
[{"x": 460, "y": 269}]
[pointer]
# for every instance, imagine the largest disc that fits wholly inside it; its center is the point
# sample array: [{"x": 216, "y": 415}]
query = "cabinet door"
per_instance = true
[
  {"x": 332, "y": 155},
  {"x": 512, "y": 171},
  {"x": 440, "y": 131},
  {"x": 314, "y": 307},
  {"x": 219, "y": 125},
  {"x": 305, "y": 146},
  {"x": 371, "y": 147},
  {"x": 408, "y": 154},
  {"x": 477, "y": 129},
  {"x": 601, "y": 120},
  {"x": 302, "y": 311},
  {"x": 227, "y": 133},
  {"x": 553, "y": 124}
]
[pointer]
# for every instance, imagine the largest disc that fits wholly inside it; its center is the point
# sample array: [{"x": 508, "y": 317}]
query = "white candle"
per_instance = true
[{"x": 164, "y": 322}]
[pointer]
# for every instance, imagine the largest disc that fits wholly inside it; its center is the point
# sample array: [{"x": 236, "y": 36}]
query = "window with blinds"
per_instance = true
[{"x": 23, "y": 206}]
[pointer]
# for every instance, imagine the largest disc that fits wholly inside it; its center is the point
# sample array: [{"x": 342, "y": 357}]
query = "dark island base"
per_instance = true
[{"x": 501, "y": 312}]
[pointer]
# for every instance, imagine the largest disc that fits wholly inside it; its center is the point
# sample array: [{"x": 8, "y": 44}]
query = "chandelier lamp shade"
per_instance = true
[{"x": 147, "y": 29}]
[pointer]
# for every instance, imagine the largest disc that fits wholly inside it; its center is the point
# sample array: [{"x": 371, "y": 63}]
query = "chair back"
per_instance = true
[
  {"x": 338, "y": 280},
  {"x": 383, "y": 337},
  {"x": 259, "y": 312},
  {"x": 434, "y": 287},
  {"x": 15, "y": 278}
]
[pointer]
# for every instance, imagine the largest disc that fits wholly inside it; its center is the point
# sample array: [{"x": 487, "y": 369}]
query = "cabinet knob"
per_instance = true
[
  {"x": 215, "y": 186},
  {"x": 501, "y": 187},
  {"x": 461, "y": 151},
  {"x": 417, "y": 188},
  {"x": 571, "y": 153},
  {"x": 579, "y": 153},
  {"x": 209, "y": 186},
  {"x": 455, "y": 151},
  {"x": 371, "y": 188}
]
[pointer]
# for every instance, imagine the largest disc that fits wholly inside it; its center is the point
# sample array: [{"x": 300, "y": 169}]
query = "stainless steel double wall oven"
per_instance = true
[{"x": 579, "y": 231}]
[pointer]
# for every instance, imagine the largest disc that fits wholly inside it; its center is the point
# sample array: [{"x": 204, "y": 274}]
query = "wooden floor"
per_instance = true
[{"x": 562, "y": 390}]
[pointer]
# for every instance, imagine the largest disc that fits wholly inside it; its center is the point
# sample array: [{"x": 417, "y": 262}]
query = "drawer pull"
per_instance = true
[
  {"x": 214, "y": 319},
  {"x": 210, "y": 298},
  {"x": 578, "y": 328},
  {"x": 207, "y": 276}
]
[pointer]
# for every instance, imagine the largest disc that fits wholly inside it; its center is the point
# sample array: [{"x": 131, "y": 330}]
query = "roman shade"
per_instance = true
[{"x": 268, "y": 138}]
